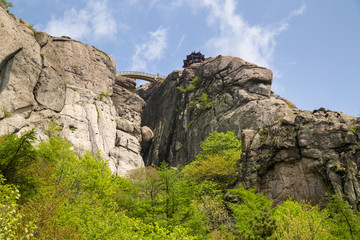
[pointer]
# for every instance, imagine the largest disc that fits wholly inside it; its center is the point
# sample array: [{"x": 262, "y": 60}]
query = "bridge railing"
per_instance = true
[{"x": 140, "y": 73}]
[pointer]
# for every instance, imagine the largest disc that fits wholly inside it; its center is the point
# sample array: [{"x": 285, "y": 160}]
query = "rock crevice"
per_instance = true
[
  {"x": 70, "y": 83},
  {"x": 5, "y": 68},
  {"x": 286, "y": 151}
]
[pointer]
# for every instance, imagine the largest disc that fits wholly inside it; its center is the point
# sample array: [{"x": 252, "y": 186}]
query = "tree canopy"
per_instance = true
[{"x": 49, "y": 192}]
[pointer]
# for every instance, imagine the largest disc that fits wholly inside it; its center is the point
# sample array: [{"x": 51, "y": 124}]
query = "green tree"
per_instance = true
[
  {"x": 263, "y": 225},
  {"x": 220, "y": 143},
  {"x": 217, "y": 160},
  {"x": 148, "y": 185},
  {"x": 12, "y": 223},
  {"x": 301, "y": 221},
  {"x": 43, "y": 209},
  {"x": 7, "y": 4},
  {"x": 253, "y": 214},
  {"x": 176, "y": 192},
  {"x": 344, "y": 220},
  {"x": 178, "y": 202},
  {"x": 209, "y": 201},
  {"x": 16, "y": 155}
]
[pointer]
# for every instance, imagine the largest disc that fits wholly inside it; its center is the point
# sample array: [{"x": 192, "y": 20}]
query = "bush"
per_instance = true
[
  {"x": 16, "y": 155},
  {"x": 225, "y": 144},
  {"x": 216, "y": 160},
  {"x": 7, "y": 4},
  {"x": 345, "y": 221},
  {"x": 197, "y": 81},
  {"x": 301, "y": 221},
  {"x": 12, "y": 224},
  {"x": 253, "y": 214}
]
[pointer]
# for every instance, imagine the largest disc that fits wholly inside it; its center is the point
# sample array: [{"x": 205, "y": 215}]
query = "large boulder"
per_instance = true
[
  {"x": 45, "y": 78},
  {"x": 20, "y": 64},
  {"x": 287, "y": 152},
  {"x": 51, "y": 86},
  {"x": 304, "y": 155},
  {"x": 223, "y": 93},
  {"x": 86, "y": 66},
  {"x": 129, "y": 105}
]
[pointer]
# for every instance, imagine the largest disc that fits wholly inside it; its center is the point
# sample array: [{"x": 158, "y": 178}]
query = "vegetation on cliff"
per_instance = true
[
  {"x": 49, "y": 192},
  {"x": 7, "y": 4}
]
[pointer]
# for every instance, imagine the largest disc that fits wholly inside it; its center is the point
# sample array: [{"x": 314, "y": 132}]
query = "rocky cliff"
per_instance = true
[
  {"x": 286, "y": 151},
  {"x": 44, "y": 78}
]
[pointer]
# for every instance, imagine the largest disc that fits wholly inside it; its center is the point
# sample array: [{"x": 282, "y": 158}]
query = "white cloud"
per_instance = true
[
  {"x": 298, "y": 11},
  {"x": 235, "y": 36},
  {"x": 180, "y": 43},
  {"x": 151, "y": 50},
  {"x": 95, "y": 21},
  {"x": 238, "y": 38}
]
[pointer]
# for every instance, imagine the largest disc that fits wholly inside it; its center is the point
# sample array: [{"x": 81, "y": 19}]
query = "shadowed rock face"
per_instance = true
[
  {"x": 286, "y": 151},
  {"x": 5, "y": 68},
  {"x": 19, "y": 59},
  {"x": 181, "y": 116},
  {"x": 304, "y": 155}
]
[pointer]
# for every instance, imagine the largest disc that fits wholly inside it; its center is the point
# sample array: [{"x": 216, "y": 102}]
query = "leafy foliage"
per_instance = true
[
  {"x": 345, "y": 222},
  {"x": 16, "y": 155},
  {"x": 6, "y": 113},
  {"x": 217, "y": 159},
  {"x": 301, "y": 221},
  {"x": 220, "y": 143},
  {"x": 253, "y": 214},
  {"x": 7, "y": 4},
  {"x": 77, "y": 197},
  {"x": 205, "y": 101},
  {"x": 32, "y": 28},
  {"x": 195, "y": 83},
  {"x": 12, "y": 224},
  {"x": 189, "y": 88}
]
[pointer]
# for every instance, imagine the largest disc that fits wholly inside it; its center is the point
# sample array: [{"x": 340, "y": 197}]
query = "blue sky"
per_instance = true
[{"x": 313, "y": 47}]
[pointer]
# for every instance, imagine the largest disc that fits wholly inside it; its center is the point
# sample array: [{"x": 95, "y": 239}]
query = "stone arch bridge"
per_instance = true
[{"x": 141, "y": 75}]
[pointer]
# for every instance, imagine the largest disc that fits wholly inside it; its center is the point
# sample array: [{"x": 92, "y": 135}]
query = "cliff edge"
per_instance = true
[
  {"x": 58, "y": 79},
  {"x": 287, "y": 152}
]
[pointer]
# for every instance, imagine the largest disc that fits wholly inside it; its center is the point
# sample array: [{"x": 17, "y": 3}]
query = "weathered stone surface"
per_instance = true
[
  {"x": 127, "y": 83},
  {"x": 50, "y": 88},
  {"x": 86, "y": 66},
  {"x": 316, "y": 153},
  {"x": 20, "y": 64},
  {"x": 12, "y": 124},
  {"x": 237, "y": 97},
  {"x": 147, "y": 136},
  {"x": 286, "y": 151},
  {"x": 125, "y": 125},
  {"x": 70, "y": 83},
  {"x": 128, "y": 104},
  {"x": 125, "y": 160}
]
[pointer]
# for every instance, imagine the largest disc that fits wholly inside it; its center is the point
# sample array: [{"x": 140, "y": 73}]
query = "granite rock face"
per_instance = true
[
  {"x": 45, "y": 78},
  {"x": 286, "y": 151},
  {"x": 304, "y": 155},
  {"x": 19, "y": 59},
  {"x": 217, "y": 95}
]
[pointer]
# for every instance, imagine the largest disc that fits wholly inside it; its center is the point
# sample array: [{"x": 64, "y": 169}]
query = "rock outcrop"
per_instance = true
[
  {"x": 45, "y": 78},
  {"x": 286, "y": 151},
  {"x": 223, "y": 93}
]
